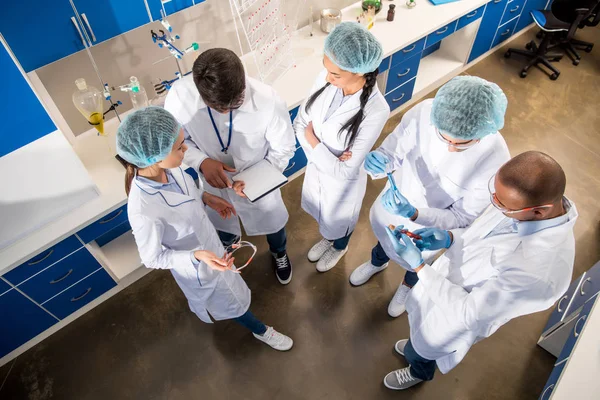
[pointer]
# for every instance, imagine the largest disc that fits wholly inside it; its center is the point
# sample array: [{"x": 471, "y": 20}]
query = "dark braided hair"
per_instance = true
[{"x": 353, "y": 123}]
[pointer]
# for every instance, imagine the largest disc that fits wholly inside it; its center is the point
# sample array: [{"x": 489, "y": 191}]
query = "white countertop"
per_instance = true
[{"x": 97, "y": 153}]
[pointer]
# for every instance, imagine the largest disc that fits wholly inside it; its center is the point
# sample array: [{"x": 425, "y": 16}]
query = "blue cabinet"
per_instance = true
[
  {"x": 560, "y": 309},
  {"x": 400, "y": 95},
  {"x": 105, "y": 19},
  {"x": 549, "y": 386},
  {"x": 576, "y": 331},
  {"x": 171, "y": 6},
  {"x": 531, "y": 5},
  {"x": 402, "y": 73},
  {"x": 470, "y": 17},
  {"x": 488, "y": 27},
  {"x": 297, "y": 162},
  {"x": 590, "y": 285},
  {"x": 513, "y": 10},
  {"x": 408, "y": 52},
  {"x": 440, "y": 34},
  {"x": 505, "y": 31},
  {"x": 22, "y": 320},
  {"x": 103, "y": 225}
]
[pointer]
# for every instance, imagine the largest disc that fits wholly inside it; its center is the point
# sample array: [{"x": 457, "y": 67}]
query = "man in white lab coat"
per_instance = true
[
  {"x": 442, "y": 155},
  {"x": 232, "y": 122},
  {"x": 515, "y": 259}
]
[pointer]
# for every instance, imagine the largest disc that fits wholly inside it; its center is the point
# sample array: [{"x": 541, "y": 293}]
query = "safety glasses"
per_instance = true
[
  {"x": 496, "y": 203},
  {"x": 232, "y": 248},
  {"x": 458, "y": 146}
]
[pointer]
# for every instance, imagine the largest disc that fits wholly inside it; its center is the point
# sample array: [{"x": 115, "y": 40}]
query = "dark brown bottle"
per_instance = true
[{"x": 391, "y": 12}]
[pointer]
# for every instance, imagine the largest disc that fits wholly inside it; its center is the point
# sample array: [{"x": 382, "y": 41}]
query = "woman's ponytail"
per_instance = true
[{"x": 130, "y": 173}]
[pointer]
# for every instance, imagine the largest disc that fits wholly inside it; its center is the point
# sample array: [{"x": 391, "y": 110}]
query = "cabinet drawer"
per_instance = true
[
  {"x": 408, "y": 52},
  {"x": 293, "y": 113},
  {"x": 590, "y": 285},
  {"x": 4, "y": 287},
  {"x": 385, "y": 64},
  {"x": 43, "y": 260},
  {"x": 103, "y": 225},
  {"x": 470, "y": 17},
  {"x": 401, "y": 95},
  {"x": 576, "y": 331},
  {"x": 504, "y": 32},
  {"x": 80, "y": 294},
  {"x": 60, "y": 276},
  {"x": 402, "y": 73},
  {"x": 113, "y": 234},
  {"x": 441, "y": 33},
  {"x": 560, "y": 309},
  {"x": 513, "y": 9},
  {"x": 297, "y": 162},
  {"x": 22, "y": 320},
  {"x": 549, "y": 386}
]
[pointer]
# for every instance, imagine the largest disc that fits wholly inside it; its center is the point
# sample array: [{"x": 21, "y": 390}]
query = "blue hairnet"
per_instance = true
[
  {"x": 353, "y": 48},
  {"x": 146, "y": 136},
  {"x": 468, "y": 107}
]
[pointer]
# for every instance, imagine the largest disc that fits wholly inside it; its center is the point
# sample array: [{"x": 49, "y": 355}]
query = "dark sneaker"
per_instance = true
[{"x": 283, "y": 268}]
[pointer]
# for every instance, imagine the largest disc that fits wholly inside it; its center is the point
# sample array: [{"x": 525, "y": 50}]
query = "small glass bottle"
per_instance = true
[
  {"x": 411, "y": 3},
  {"x": 391, "y": 12}
]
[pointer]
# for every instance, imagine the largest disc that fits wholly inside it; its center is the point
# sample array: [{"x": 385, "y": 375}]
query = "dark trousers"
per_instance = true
[
  {"x": 277, "y": 241},
  {"x": 342, "y": 243},
  {"x": 251, "y": 322},
  {"x": 420, "y": 367},
  {"x": 379, "y": 258}
]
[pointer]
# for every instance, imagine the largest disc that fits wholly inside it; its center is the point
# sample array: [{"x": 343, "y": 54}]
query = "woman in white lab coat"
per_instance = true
[
  {"x": 172, "y": 231},
  {"x": 337, "y": 126},
  {"x": 442, "y": 155}
]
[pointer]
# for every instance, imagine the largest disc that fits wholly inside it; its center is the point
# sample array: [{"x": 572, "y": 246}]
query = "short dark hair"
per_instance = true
[
  {"x": 220, "y": 78},
  {"x": 536, "y": 176}
]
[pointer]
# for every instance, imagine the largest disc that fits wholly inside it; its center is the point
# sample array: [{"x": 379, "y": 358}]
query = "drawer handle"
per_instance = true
[
  {"x": 545, "y": 390},
  {"x": 89, "y": 26},
  {"x": 42, "y": 259},
  {"x": 442, "y": 31},
  {"x": 582, "y": 285},
  {"x": 515, "y": 9},
  {"x": 474, "y": 13},
  {"x": 498, "y": 1},
  {"x": 290, "y": 167},
  {"x": 404, "y": 73},
  {"x": 106, "y": 221},
  {"x": 79, "y": 31},
  {"x": 414, "y": 46},
  {"x": 559, "y": 302},
  {"x": 399, "y": 98},
  {"x": 505, "y": 33},
  {"x": 575, "y": 333},
  {"x": 62, "y": 278},
  {"x": 82, "y": 296}
]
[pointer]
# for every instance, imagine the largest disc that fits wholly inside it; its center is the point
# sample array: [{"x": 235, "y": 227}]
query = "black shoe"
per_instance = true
[{"x": 283, "y": 268}]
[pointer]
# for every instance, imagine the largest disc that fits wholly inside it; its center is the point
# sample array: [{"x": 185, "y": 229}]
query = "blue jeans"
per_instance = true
[
  {"x": 342, "y": 243},
  {"x": 379, "y": 258},
  {"x": 420, "y": 367},
  {"x": 277, "y": 241},
  {"x": 249, "y": 321}
]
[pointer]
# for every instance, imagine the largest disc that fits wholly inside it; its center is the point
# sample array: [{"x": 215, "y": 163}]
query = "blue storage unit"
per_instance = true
[
  {"x": 103, "y": 225},
  {"x": 590, "y": 285},
  {"x": 441, "y": 33},
  {"x": 385, "y": 64},
  {"x": 80, "y": 294},
  {"x": 400, "y": 95},
  {"x": 23, "y": 116},
  {"x": 171, "y": 6},
  {"x": 487, "y": 29},
  {"x": 470, "y": 17},
  {"x": 113, "y": 234},
  {"x": 576, "y": 331},
  {"x": 408, "y": 51},
  {"x": 60, "y": 276},
  {"x": 22, "y": 320},
  {"x": 402, "y": 73},
  {"x": 43, "y": 260},
  {"x": 293, "y": 113},
  {"x": 505, "y": 31},
  {"x": 549, "y": 386},
  {"x": 513, "y": 10},
  {"x": 562, "y": 306}
]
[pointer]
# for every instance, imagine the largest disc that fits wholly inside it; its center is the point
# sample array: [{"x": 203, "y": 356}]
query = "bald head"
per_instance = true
[{"x": 536, "y": 177}]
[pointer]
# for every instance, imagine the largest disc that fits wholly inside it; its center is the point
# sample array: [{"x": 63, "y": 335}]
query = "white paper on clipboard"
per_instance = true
[{"x": 261, "y": 179}]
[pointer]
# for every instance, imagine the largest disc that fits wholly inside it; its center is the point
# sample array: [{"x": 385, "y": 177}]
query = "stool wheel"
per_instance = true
[
  {"x": 528, "y": 46},
  {"x": 575, "y": 62},
  {"x": 523, "y": 74},
  {"x": 588, "y": 49},
  {"x": 507, "y": 54},
  {"x": 554, "y": 77}
]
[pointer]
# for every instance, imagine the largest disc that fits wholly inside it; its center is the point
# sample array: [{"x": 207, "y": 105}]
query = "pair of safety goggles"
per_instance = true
[
  {"x": 496, "y": 203},
  {"x": 240, "y": 244},
  {"x": 458, "y": 146}
]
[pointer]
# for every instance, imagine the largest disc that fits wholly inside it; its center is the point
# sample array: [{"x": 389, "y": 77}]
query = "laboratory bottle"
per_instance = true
[
  {"x": 391, "y": 12},
  {"x": 137, "y": 94},
  {"x": 89, "y": 101}
]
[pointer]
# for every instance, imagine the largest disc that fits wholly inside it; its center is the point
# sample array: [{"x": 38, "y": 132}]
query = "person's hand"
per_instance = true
[
  {"x": 346, "y": 155},
  {"x": 220, "y": 205},
  {"x": 404, "y": 247},
  {"x": 396, "y": 204},
  {"x": 214, "y": 173},
  {"x": 239, "y": 187},
  {"x": 214, "y": 262},
  {"x": 433, "y": 239},
  {"x": 376, "y": 163},
  {"x": 309, "y": 134}
]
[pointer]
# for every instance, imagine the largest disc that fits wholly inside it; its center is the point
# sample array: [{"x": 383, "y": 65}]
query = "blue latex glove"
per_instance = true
[
  {"x": 376, "y": 163},
  {"x": 396, "y": 204},
  {"x": 433, "y": 239},
  {"x": 404, "y": 247}
]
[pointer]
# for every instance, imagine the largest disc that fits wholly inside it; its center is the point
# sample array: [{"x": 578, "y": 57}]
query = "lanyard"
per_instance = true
[{"x": 223, "y": 147}]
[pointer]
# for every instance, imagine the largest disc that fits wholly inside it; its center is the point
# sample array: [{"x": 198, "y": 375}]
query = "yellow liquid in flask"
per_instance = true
[{"x": 97, "y": 120}]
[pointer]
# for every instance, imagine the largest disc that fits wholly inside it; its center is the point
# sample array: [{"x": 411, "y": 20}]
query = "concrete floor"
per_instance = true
[{"x": 144, "y": 343}]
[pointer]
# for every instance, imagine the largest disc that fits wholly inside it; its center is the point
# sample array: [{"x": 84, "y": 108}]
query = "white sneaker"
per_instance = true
[
  {"x": 317, "y": 251},
  {"x": 398, "y": 304},
  {"x": 400, "y": 379},
  {"x": 399, "y": 347},
  {"x": 276, "y": 340},
  {"x": 330, "y": 259},
  {"x": 363, "y": 273}
]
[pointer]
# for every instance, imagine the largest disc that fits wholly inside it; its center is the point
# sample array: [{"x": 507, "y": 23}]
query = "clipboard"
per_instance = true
[{"x": 261, "y": 179}]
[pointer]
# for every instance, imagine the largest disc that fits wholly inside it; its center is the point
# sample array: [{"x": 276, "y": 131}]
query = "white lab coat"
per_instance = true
[
  {"x": 261, "y": 130},
  {"x": 449, "y": 189},
  {"x": 480, "y": 283},
  {"x": 167, "y": 227},
  {"x": 333, "y": 191}
]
